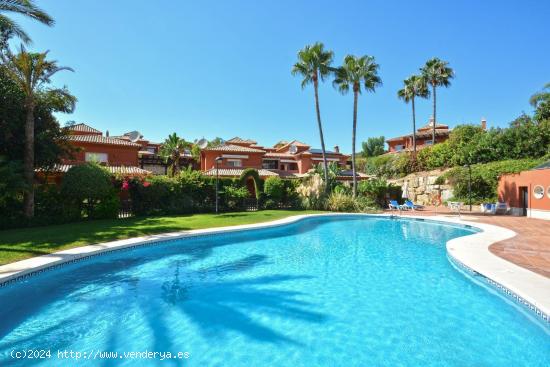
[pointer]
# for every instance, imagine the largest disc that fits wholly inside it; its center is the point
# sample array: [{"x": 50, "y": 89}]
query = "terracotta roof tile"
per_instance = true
[
  {"x": 279, "y": 155},
  {"x": 293, "y": 142},
  {"x": 98, "y": 139},
  {"x": 236, "y": 139},
  {"x": 235, "y": 148},
  {"x": 236, "y": 172},
  {"x": 424, "y": 134},
  {"x": 125, "y": 170},
  {"x": 84, "y": 129}
]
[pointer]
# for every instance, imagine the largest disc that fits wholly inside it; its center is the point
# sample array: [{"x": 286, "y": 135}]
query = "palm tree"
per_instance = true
[
  {"x": 22, "y": 7},
  {"x": 354, "y": 72},
  {"x": 172, "y": 149},
  {"x": 32, "y": 72},
  {"x": 437, "y": 74},
  {"x": 541, "y": 102},
  {"x": 541, "y": 96},
  {"x": 314, "y": 64},
  {"x": 414, "y": 86}
]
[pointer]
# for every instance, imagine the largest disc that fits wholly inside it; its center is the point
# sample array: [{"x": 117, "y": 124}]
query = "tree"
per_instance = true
[
  {"x": 354, "y": 72},
  {"x": 541, "y": 102},
  {"x": 32, "y": 72},
  {"x": 26, "y": 8},
  {"x": 171, "y": 150},
  {"x": 437, "y": 74},
  {"x": 314, "y": 64},
  {"x": 414, "y": 86},
  {"x": 374, "y": 146}
]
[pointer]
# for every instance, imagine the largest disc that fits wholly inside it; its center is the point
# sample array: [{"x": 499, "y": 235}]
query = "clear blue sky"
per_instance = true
[{"x": 222, "y": 68}]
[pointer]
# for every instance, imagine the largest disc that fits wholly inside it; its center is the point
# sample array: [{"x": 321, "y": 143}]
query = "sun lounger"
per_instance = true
[
  {"x": 488, "y": 208},
  {"x": 394, "y": 205},
  {"x": 501, "y": 208},
  {"x": 409, "y": 205}
]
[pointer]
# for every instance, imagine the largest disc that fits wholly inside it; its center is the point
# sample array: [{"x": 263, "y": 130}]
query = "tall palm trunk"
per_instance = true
[
  {"x": 318, "y": 111},
  {"x": 435, "y": 120},
  {"x": 355, "y": 96},
  {"x": 28, "y": 200},
  {"x": 414, "y": 127}
]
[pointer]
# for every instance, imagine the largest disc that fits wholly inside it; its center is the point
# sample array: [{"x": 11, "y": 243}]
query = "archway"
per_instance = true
[{"x": 251, "y": 179}]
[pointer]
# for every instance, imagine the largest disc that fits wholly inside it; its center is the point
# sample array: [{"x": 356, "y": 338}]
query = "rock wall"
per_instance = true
[{"x": 420, "y": 187}]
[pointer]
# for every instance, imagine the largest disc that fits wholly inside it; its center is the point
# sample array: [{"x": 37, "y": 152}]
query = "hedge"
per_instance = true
[{"x": 87, "y": 192}]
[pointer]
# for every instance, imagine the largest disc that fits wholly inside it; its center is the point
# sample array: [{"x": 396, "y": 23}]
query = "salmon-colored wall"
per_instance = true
[
  {"x": 254, "y": 160},
  {"x": 509, "y": 188},
  {"x": 420, "y": 142},
  {"x": 208, "y": 159},
  {"x": 307, "y": 162},
  {"x": 117, "y": 155}
]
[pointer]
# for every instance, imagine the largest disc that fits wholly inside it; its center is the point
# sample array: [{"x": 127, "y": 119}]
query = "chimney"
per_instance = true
[
  {"x": 107, "y": 133},
  {"x": 432, "y": 121},
  {"x": 483, "y": 123},
  {"x": 336, "y": 149}
]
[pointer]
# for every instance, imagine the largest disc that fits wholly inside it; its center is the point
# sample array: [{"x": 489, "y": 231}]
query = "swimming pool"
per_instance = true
[{"x": 325, "y": 291}]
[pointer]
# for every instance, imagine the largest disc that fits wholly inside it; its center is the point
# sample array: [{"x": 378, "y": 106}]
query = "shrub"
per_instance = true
[
  {"x": 163, "y": 195},
  {"x": 274, "y": 189},
  {"x": 485, "y": 178},
  {"x": 291, "y": 199},
  {"x": 365, "y": 204},
  {"x": 434, "y": 157},
  {"x": 234, "y": 196},
  {"x": 85, "y": 186},
  {"x": 258, "y": 182},
  {"x": 189, "y": 192},
  {"x": 196, "y": 189},
  {"x": 379, "y": 191},
  {"x": 340, "y": 202},
  {"x": 311, "y": 192},
  {"x": 342, "y": 189},
  {"x": 108, "y": 207},
  {"x": 52, "y": 207}
]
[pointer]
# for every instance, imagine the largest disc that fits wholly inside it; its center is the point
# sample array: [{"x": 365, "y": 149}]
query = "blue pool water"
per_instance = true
[{"x": 346, "y": 291}]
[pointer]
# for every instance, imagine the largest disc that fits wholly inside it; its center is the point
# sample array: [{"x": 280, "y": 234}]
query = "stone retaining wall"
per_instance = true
[{"x": 420, "y": 187}]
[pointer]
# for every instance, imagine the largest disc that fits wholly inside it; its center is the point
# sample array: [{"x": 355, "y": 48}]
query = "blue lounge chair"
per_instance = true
[
  {"x": 409, "y": 205},
  {"x": 488, "y": 208},
  {"x": 394, "y": 205}
]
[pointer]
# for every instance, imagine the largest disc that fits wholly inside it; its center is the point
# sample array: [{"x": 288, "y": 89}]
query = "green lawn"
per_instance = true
[{"x": 18, "y": 244}]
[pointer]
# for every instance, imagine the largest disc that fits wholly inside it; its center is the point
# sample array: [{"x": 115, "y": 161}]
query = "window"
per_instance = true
[
  {"x": 151, "y": 149},
  {"x": 428, "y": 142},
  {"x": 96, "y": 157},
  {"x": 293, "y": 167},
  {"x": 269, "y": 164},
  {"x": 399, "y": 147},
  {"x": 538, "y": 192},
  {"x": 234, "y": 163}
]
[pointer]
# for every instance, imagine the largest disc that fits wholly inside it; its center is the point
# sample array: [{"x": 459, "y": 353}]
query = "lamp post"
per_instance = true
[
  {"x": 218, "y": 160},
  {"x": 469, "y": 185}
]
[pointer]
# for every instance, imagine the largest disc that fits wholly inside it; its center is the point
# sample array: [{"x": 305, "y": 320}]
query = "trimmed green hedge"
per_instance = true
[
  {"x": 191, "y": 192},
  {"x": 88, "y": 192}
]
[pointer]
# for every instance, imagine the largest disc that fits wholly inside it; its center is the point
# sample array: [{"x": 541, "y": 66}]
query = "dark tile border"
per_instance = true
[{"x": 504, "y": 291}]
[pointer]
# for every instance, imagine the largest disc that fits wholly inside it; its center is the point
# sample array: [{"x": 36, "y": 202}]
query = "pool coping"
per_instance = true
[{"x": 469, "y": 252}]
